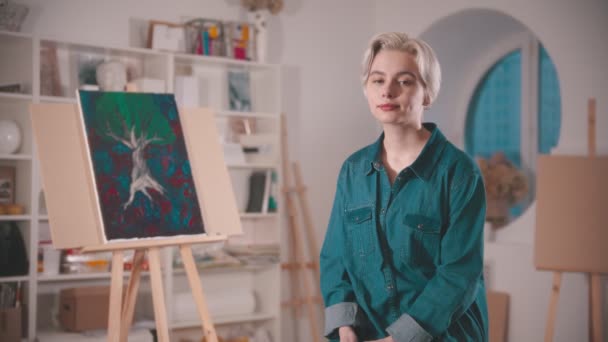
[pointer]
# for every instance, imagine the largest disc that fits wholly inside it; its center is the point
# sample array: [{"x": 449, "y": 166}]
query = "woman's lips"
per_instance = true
[{"x": 388, "y": 107}]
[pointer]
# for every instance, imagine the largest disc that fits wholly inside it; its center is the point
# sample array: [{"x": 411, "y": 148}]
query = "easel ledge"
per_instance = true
[{"x": 148, "y": 243}]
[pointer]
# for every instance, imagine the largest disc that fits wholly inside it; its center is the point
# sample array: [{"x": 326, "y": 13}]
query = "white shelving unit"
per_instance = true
[{"x": 22, "y": 62}]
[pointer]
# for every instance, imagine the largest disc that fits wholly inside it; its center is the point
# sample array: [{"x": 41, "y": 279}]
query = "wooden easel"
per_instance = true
[
  {"x": 74, "y": 209},
  {"x": 595, "y": 291},
  {"x": 121, "y": 312},
  {"x": 297, "y": 261}
]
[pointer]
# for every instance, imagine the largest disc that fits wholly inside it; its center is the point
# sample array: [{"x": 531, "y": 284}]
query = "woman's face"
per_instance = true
[{"x": 394, "y": 89}]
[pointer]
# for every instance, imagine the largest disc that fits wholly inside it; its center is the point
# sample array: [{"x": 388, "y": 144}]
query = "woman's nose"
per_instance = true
[{"x": 388, "y": 91}]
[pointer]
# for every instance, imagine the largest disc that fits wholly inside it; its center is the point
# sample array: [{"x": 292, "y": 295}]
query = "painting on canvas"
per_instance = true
[{"x": 140, "y": 165}]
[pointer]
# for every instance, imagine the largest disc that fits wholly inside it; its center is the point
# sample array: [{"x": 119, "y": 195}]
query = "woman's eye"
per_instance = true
[
  {"x": 378, "y": 81},
  {"x": 406, "y": 82}
]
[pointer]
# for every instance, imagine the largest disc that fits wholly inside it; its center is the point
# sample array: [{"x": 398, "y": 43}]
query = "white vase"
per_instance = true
[
  {"x": 112, "y": 76},
  {"x": 259, "y": 19},
  {"x": 10, "y": 136}
]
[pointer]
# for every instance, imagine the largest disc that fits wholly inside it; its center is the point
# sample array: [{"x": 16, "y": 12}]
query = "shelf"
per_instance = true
[
  {"x": 70, "y": 277},
  {"x": 15, "y": 156},
  {"x": 252, "y": 165},
  {"x": 58, "y": 99},
  {"x": 58, "y": 278},
  {"x": 81, "y": 276},
  {"x": 15, "y": 217},
  {"x": 16, "y": 96},
  {"x": 13, "y": 279},
  {"x": 15, "y": 34},
  {"x": 228, "y": 113},
  {"x": 184, "y": 58},
  {"x": 102, "y": 50},
  {"x": 138, "y": 332},
  {"x": 254, "y": 317},
  {"x": 25, "y": 52},
  {"x": 225, "y": 269},
  {"x": 254, "y": 216}
]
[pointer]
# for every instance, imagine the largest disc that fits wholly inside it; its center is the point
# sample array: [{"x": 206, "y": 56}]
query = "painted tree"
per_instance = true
[{"x": 136, "y": 121}]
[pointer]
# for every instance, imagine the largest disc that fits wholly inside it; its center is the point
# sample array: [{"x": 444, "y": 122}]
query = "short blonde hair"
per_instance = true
[{"x": 425, "y": 58}]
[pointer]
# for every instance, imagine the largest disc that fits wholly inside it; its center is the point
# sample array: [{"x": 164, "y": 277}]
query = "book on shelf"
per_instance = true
[
  {"x": 13, "y": 253},
  {"x": 266, "y": 198},
  {"x": 257, "y": 185},
  {"x": 260, "y": 183}
]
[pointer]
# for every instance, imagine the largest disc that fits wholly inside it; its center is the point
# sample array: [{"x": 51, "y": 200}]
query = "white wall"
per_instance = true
[{"x": 573, "y": 34}]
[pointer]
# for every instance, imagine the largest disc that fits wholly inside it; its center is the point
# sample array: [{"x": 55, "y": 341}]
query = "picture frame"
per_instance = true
[
  {"x": 50, "y": 79},
  {"x": 239, "y": 91},
  {"x": 164, "y": 35},
  {"x": 7, "y": 184}
]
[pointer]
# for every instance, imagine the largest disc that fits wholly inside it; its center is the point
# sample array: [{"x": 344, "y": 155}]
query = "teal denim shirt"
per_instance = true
[{"x": 406, "y": 259}]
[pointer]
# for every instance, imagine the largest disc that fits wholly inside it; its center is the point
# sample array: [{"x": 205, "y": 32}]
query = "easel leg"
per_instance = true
[
  {"x": 128, "y": 306},
  {"x": 595, "y": 308},
  {"x": 294, "y": 273},
  {"x": 115, "y": 297},
  {"x": 293, "y": 224},
  {"x": 197, "y": 292},
  {"x": 158, "y": 297},
  {"x": 310, "y": 306},
  {"x": 310, "y": 233},
  {"x": 550, "y": 328}
]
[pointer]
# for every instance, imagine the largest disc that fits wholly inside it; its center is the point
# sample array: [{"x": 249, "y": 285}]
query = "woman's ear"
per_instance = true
[{"x": 426, "y": 102}]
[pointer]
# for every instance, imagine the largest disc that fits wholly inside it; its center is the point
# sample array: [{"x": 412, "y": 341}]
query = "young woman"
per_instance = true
[{"x": 403, "y": 254}]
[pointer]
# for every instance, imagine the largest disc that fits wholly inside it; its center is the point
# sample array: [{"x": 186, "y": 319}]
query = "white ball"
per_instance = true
[{"x": 10, "y": 136}]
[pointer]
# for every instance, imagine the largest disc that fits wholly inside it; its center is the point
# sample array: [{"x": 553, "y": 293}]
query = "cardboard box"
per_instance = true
[
  {"x": 84, "y": 308},
  {"x": 10, "y": 325}
]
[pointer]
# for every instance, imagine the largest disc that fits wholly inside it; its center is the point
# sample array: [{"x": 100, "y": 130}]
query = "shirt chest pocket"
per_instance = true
[
  {"x": 422, "y": 240},
  {"x": 360, "y": 228}
]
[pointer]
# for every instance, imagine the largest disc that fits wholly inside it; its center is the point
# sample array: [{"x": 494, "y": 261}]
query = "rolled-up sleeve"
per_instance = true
[
  {"x": 336, "y": 289},
  {"x": 455, "y": 284}
]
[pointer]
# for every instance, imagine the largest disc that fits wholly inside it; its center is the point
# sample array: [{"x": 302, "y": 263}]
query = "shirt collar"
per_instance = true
[{"x": 423, "y": 166}]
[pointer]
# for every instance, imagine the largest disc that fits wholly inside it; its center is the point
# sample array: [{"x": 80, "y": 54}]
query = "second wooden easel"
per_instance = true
[
  {"x": 121, "y": 311},
  {"x": 297, "y": 264},
  {"x": 595, "y": 292}
]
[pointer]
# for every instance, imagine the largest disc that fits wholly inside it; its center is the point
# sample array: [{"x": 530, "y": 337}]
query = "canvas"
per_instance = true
[{"x": 140, "y": 165}]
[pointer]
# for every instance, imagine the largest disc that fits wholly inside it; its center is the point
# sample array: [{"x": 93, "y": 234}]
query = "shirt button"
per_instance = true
[
  {"x": 382, "y": 211},
  {"x": 377, "y": 165},
  {"x": 420, "y": 225}
]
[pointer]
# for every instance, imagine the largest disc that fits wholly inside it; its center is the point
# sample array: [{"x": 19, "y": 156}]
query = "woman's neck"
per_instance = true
[{"x": 401, "y": 146}]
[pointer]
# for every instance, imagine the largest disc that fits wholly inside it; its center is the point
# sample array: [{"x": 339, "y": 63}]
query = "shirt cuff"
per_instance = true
[
  {"x": 339, "y": 315},
  {"x": 406, "y": 329}
]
